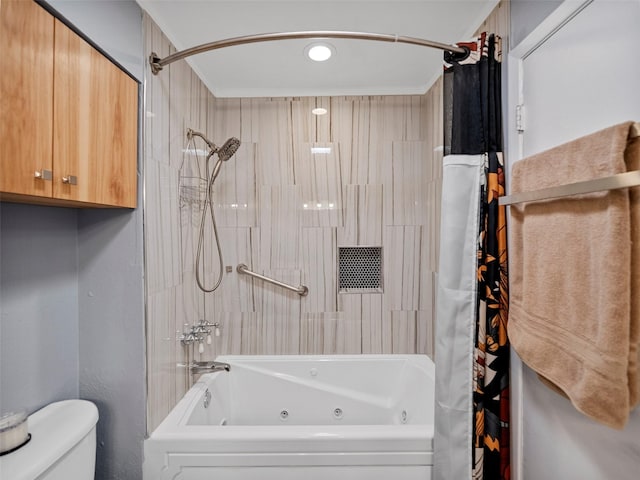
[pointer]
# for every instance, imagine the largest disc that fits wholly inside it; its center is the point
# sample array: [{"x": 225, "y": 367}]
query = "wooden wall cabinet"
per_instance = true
[{"x": 69, "y": 116}]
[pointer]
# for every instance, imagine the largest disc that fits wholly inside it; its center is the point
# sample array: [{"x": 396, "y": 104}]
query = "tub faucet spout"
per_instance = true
[{"x": 196, "y": 368}]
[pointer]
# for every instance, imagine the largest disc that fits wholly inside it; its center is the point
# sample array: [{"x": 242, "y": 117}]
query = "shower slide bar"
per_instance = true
[
  {"x": 614, "y": 182},
  {"x": 302, "y": 290},
  {"x": 158, "y": 63}
]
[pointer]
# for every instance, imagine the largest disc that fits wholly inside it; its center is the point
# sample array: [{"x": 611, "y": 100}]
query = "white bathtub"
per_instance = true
[{"x": 301, "y": 417}]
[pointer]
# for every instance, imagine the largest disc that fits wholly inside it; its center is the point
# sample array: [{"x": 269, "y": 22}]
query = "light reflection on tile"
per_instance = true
[
  {"x": 323, "y": 122},
  {"x": 318, "y": 175},
  {"x": 234, "y": 189}
]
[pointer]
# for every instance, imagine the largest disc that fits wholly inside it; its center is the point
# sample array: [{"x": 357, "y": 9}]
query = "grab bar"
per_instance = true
[{"x": 302, "y": 290}]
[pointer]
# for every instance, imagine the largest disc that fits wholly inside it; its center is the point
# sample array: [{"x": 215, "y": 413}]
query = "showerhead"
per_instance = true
[
  {"x": 228, "y": 149},
  {"x": 225, "y": 152}
]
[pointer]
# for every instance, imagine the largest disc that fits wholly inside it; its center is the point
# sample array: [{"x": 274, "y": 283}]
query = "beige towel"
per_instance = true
[{"x": 574, "y": 312}]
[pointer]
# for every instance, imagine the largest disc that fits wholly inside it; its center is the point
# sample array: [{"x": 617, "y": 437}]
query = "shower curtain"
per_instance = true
[{"x": 472, "y": 350}]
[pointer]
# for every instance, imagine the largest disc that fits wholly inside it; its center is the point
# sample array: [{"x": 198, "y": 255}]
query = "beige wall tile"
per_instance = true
[
  {"x": 273, "y": 130},
  {"x": 425, "y": 333},
  {"x": 162, "y": 222},
  {"x": 363, "y": 216},
  {"x": 407, "y": 193},
  {"x": 312, "y": 334},
  {"x": 279, "y": 217},
  {"x": 235, "y": 293},
  {"x": 161, "y": 356},
  {"x": 372, "y": 332},
  {"x": 402, "y": 266},
  {"x": 319, "y": 252},
  {"x": 403, "y": 332}
]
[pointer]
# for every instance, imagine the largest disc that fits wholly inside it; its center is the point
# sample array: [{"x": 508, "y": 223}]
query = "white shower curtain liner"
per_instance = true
[{"x": 455, "y": 319}]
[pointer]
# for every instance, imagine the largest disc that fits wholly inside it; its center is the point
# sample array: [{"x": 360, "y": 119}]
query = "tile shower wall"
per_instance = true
[{"x": 284, "y": 211}]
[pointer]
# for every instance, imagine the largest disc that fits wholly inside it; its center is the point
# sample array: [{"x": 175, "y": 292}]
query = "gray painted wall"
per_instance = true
[
  {"x": 38, "y": 306},
  {"x": 72, "y": 288},
  {"x": 114, "y": 25},
  {"x": 111, "y": 332},
  {"x": 526, "y": 15}
]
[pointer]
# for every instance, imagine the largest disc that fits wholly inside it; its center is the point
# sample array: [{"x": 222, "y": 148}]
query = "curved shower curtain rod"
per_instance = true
[{"x": 158, "y": 63}]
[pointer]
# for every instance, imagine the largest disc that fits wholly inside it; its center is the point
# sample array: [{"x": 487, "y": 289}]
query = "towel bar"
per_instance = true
[{"x": 614, "y": 182}]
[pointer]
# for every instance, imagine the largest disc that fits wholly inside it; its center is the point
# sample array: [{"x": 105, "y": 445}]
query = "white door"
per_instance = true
[{"x": 577, "y": 73}]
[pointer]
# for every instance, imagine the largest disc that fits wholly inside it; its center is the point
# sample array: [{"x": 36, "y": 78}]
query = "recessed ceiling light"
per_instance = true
[
  {"x": 319, "y": 111},
  {"x": 319, "y": 52}
]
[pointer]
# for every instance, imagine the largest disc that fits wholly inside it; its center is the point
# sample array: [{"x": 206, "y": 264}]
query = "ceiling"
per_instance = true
[{"x": 280, "y": 68}]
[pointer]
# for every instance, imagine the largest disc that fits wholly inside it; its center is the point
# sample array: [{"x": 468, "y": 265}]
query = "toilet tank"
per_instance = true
[{"x": 62, "y": 445}]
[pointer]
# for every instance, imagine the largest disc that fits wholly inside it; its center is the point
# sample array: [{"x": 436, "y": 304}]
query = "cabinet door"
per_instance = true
[
  {"x": 95, "y": 125},
  {"x": 26, "y": 97}
]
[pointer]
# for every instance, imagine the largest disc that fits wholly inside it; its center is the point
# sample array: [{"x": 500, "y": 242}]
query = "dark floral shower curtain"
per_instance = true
[{"x": 473, "y": 126}]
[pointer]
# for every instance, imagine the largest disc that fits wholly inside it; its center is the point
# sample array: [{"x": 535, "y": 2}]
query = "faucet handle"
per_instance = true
[
  {"x": 205, "y": 327},
  {"x": 192, "y": 334}
]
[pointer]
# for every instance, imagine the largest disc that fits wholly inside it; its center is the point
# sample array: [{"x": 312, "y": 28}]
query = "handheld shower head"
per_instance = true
[
  {"x": 228, "y": 149},
  {"x": 225, "y": 152}
]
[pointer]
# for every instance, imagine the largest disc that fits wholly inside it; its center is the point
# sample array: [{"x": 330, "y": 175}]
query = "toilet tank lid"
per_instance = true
[{"x": 55, "y": 429}]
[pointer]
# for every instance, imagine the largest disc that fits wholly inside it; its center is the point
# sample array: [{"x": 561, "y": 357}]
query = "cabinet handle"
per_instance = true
[
  {"x": 70, "y": 179},
  {"x": 43, "y": 174}
]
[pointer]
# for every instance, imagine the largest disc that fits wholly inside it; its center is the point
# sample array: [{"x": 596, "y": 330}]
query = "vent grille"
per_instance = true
[{"x": 359, "y": 269}]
